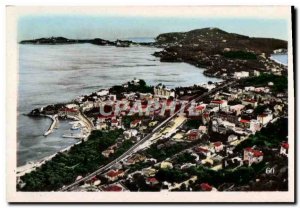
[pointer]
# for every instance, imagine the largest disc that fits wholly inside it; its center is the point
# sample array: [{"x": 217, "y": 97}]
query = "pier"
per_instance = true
[{"x": 53, "y": 124}]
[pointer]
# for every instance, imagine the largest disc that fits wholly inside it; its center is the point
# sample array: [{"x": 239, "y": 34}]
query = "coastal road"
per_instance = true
[{"x": 135, "y": 146}]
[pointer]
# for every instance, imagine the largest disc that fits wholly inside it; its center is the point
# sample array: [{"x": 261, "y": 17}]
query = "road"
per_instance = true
[{"x": 134, "y": 147}]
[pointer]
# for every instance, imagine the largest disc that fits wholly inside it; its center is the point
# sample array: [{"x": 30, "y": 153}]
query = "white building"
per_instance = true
[
  {"x": 252, "y": 156},
  {"x": 241, "y": 74},
  {"x": 254, "y": 125},
  {"x": 102, "y": 92},
  {"x": 284, "y": 147},
  {"x": 163, "y": 92},
  {"x": 130, "y": 133},
  {"x": 265, "y": 118}
]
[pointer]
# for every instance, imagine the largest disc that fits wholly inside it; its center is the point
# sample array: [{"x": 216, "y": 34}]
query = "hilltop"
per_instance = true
[{"x": 218, "y": 51}]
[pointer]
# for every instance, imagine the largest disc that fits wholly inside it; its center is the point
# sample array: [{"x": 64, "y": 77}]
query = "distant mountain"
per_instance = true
[
  {"x": 62, "y": 40},
  {"x": 220, "y": 52}
]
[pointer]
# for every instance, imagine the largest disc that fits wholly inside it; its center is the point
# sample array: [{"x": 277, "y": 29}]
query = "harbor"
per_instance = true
[{"x": 53, "y": 125}]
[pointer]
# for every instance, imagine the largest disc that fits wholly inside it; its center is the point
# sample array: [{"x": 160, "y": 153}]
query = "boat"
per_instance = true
[
  {"x": 75, "y": 136},
  {"x": 76, "y": 126}
]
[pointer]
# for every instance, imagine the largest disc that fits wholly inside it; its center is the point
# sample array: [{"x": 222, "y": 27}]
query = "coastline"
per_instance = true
[
  {"x": 277, "y": 61},
  {"x": 32, "y": 165}
]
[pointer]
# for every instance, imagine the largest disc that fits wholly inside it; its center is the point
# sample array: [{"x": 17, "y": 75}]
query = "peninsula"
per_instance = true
[{"x": 222, "y": 54}]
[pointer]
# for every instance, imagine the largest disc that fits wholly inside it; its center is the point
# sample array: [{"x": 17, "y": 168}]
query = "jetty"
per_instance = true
[{"x": 53, "y": 124}]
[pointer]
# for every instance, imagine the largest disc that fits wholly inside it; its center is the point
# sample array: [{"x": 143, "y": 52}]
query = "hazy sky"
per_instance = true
[{"x": 122, "y": 27}]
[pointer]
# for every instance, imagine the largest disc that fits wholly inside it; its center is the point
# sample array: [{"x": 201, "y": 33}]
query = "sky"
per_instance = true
[{"x": 113, "y": 27}]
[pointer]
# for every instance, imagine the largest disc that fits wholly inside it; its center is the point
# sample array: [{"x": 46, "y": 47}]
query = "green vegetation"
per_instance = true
[
  {"x": 169, "y": 150},
  {"x": 185, "y": 158},
  {"x": 193, "y": 124},
  {"x": 138, "y": 166},
  {"x": 164, "y": 153},
  {"x": 271, "y": 136},
  {"x": 238, "y": 176},
  {"x": 171, "y": 175},
  {"x": 142, "y": 87},
  {"x": 280, "y": 82},
  {"x": 82, "y": 159},
  {"x": 240, "y": 55}
]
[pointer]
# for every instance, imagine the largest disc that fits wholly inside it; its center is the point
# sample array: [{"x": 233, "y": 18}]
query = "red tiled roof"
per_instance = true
[
  {"x": 200, "y": 107},
  {"x": 244, "y": 121},
  {"x": 256, "y": 153},
  {"x": 193, "y": 134},
  {"x": 102, "y": 116},
  {"x": 205, "y": 187},
  {"x": 201, "y": 149},
  {"x": 114, "y": 121},
  {"x": 285, "y": 145},
  {"x": 113, "y": 188},
  {"x": 113, "y": 173},
  {"x": 250, "y": 100},
  {"x": 152, "y": 180},
  {"x": 135, "y": 121},
  {"x": 217, "y": 144},
  {"x": 217, "y": 101}
]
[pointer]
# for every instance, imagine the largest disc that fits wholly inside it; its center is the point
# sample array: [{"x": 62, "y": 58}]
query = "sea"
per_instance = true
[{"x": 50, "y": 74}]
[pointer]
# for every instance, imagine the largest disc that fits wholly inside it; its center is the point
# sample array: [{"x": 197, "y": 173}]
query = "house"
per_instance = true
[
  {"x": 232, "y": 138},
  {"x": 203, "y": 151},
  {"x": 254, "y": 125},
  {"x": 151, "y": 181},
  {"x": 256, "y": 73},
  {"x": 113, "y": 187},
  {"x": 113, "y": 175},
  {"x": 146, "y": 96},
  {"x": 200, "y": 108},
  {"x": 202, "y": 129},
  {"x": 135, "y": 159},
  {"x": 251, "y": 102},
  {"x": 249, "y": 88},
  {"x": 264, "y": 118},
  {"x": 101, "y": 126},
  {"x": 245, "y": 123},
  {"x": 130, "y": 133},
  {"x": 135, "y": 123},
  {"x": 108, "y": 152},
  {"x": 166, "y": 165},
  {"x": 161, "y": 91},
  {"x": 219, "y": 103},
  {"x": 284, "y": 147},
  {"x": 208, "y": 86},
  {"x": 218, "y": 146},
  {"x": 205, "y": 187},
  {"x": 236, "y": 108},
  {"x": 242, "y": 74},
  {"x": 193, "y": 134},
  {"x": 252, "y": 156},
  {"x": 149, "y": 172},
  {"x": 115, "y": 123}
]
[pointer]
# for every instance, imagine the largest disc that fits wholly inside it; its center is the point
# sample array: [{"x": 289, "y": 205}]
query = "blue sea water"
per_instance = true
[{"x": 51, "y": 74}]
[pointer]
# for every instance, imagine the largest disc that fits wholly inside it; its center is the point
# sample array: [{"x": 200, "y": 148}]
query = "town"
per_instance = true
[{"x": 223, "y": 136}]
